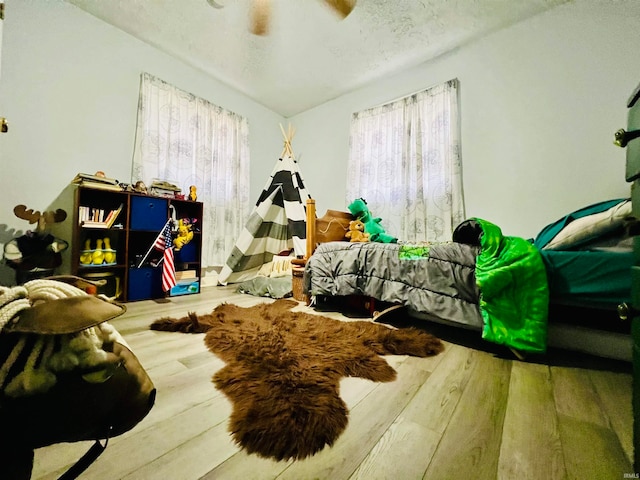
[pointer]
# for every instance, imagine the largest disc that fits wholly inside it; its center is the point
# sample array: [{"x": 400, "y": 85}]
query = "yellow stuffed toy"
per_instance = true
[
  {"x": 356, "y": 232},
  {"x": 185, "y": 234}
]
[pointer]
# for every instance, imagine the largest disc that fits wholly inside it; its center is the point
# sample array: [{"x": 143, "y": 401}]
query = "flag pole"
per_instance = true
[{"x": 153, "y": 243}]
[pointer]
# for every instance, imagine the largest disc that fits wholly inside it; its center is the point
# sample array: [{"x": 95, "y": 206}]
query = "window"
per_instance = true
[
  {"x": 405, "y": 162},
  {"x": 188, "y": 140}
]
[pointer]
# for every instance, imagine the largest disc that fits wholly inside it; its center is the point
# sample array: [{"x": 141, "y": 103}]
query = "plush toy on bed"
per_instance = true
[
  {"x": 356, "y": 232},
  {"x": 360, "y": 210}
]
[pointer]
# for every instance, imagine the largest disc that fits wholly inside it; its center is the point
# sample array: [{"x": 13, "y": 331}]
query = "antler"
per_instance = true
[
  {"x": 55, "y": 217},
  {"x": 41, "y": 218},
  {"x": 22, "y": 212}
]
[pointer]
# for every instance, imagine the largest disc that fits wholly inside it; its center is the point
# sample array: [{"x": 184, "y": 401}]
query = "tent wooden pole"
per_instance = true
[{"x": 288, "y": 137}]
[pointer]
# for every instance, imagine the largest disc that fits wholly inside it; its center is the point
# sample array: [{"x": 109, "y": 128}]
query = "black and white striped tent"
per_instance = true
[{"x": 277, "y": 223}]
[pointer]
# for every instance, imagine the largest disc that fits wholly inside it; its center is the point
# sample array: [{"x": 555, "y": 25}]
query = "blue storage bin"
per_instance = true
[
  {"x": 187, "y": 253},
  {"x": 144, "y": 283},
  {"x": 148, "y": 213}
]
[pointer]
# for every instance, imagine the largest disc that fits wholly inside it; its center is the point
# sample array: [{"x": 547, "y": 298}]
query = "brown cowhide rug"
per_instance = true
[{"x": 283, "y": 370}]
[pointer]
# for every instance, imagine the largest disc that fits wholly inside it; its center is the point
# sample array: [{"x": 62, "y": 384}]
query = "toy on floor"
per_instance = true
[
  {"x": 360, "y": 210},
  {"x": 356, "y": 232}
]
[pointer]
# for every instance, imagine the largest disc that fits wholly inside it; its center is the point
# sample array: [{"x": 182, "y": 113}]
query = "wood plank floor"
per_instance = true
[{"x": 471, "y": 412}]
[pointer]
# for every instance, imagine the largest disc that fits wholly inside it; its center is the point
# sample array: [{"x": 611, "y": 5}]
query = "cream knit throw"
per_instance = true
[{"x": 50, "y": 354}]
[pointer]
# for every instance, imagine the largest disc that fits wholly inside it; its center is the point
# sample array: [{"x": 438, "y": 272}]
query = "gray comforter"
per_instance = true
[{"x": 441, "y": 285}]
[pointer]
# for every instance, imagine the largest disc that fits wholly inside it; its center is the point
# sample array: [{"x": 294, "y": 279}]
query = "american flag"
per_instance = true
[{"x": 164, "y": 243}]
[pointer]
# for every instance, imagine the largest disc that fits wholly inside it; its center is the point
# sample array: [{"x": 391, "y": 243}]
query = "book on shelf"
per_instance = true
[
  {"x": 101, "y": 186},
  {"x": 96, "y": 218},
  {"x": 185, "y": 274},
  {"x": 96, "y": 181},
  {"x": 163, "y": 188},
  {"x": 81, "y": 177}
]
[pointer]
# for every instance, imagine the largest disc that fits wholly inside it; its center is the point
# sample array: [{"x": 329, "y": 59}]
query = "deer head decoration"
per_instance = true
[{"x": 42, "y": 219}]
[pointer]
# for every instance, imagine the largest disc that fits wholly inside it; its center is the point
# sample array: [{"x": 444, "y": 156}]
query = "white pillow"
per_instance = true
[
  {"x": 280, "y": 266},
  {"x": 265, "y": 269},
  {"x": 590, "y": 227}
]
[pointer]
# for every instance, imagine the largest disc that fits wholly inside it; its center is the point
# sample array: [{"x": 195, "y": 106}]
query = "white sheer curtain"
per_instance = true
[
  {"x": 1, "y": 27},
  {"x": 405, "y": 162},
  {"x": 188, "y": 140}
]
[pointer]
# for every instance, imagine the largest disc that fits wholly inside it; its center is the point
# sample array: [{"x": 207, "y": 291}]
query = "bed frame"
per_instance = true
[{"x": 331, "y": 227}]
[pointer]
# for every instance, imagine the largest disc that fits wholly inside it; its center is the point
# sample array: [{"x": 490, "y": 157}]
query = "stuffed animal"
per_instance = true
[
  {"x": 356, "y": 232},
  {"x": 185, "y": 234},
  {"x": 140, "y": 187},
  {"x": 360, "y": 210},
  {"x": 193, "y": 193},
  {"x": 37, "y": 248}
]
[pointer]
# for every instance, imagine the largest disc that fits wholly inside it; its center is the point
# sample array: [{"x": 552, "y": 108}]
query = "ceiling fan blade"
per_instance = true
[
  {"x": 341, "y": 7},
  {"x": 215, "y": 4},
  {"x": 260, "y": 15}
]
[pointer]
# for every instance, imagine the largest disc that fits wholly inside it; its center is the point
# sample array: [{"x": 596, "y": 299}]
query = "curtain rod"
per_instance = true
[{"x": 411, "y": 94}]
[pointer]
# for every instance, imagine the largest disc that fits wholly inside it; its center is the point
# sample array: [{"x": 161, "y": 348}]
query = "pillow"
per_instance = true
[
  {"x": 265, "y": 269},
  {"x": 590, "y": 227},
  {"x": 281, "y": 266}
]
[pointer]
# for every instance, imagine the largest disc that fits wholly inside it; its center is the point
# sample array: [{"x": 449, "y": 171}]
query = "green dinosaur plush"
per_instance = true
[{"x": 360, "y": 210}]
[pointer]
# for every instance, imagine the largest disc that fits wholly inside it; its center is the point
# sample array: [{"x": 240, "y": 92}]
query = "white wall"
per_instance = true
[
  {"x": 540, "y": 102},
  {"x": 69, "y": 89}
]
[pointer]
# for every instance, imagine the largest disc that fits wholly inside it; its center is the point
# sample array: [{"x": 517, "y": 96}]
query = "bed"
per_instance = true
[{"x": 561, "y": 288}]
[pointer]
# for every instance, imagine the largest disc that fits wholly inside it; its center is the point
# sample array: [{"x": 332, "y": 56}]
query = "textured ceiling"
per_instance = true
[{"x": 310, "y": 55}]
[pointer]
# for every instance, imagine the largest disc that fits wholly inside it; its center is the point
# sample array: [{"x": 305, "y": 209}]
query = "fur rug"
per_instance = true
[{"x": 283, "y": 370}]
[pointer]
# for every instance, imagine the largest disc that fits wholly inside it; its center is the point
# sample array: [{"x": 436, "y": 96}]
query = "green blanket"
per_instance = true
[
  {"x": 413, "y": 252},
  {"x": 514, "y": 295},
  {"x": 511, "y": 276}
]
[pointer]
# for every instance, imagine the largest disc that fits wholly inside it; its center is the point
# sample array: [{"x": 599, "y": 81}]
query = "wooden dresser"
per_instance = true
[{"x": 630, "y": 139}]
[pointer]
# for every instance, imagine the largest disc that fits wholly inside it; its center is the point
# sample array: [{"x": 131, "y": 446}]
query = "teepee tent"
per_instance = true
[{"x": 277, "y": 223}]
